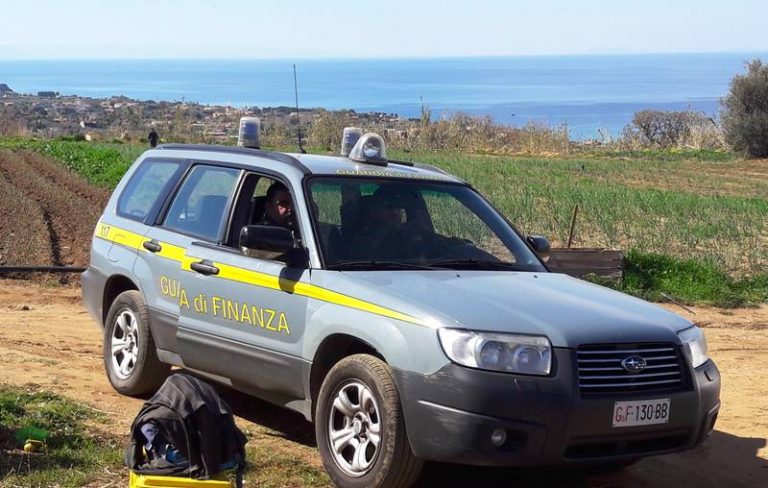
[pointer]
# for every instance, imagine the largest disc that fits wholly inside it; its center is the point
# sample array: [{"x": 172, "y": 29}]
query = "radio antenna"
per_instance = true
[{"x": 298, "y": 118}]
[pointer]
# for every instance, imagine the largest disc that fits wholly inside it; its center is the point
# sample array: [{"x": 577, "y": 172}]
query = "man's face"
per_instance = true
[{"x": 280, "y": 207}]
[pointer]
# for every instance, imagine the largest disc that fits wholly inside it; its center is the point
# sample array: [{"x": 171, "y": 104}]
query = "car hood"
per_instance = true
[{"x": 567, "y": 310}]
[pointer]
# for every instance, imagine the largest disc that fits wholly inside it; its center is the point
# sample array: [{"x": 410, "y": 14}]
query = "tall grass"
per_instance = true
[
  {"x": 538, "y": 195},
  {"x": 659, "y": 277},
  {"x": 698, "y": 204}
]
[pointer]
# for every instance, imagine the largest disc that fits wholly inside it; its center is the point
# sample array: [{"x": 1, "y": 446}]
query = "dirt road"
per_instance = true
[{"x": 47, "y": 338}]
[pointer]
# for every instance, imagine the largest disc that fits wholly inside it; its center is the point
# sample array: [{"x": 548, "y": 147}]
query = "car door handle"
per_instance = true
[
  {"x": 204, "y": 267},
  {"x": 152, "y": 246}
]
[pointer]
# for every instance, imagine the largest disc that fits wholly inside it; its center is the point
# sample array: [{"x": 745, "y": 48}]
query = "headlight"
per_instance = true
[
  {"x": 694, "y": 341},
  {"x": 510, "y": 353}
]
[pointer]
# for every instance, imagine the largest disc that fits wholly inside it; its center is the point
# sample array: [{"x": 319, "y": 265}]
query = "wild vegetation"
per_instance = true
[
  {"x": 745, "y": 111},
  {"x": 706, "y": 208}
]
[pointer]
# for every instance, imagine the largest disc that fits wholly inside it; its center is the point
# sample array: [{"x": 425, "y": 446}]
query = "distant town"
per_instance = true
[{"x": 50, "y": 114}]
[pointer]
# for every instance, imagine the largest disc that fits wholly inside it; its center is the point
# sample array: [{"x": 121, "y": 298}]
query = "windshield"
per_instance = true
[{"x": 412, "y": 224}]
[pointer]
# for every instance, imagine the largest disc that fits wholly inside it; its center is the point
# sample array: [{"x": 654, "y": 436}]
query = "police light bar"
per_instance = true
[
  {"x": 249, "y": 133},
  {"x": 370, "y": 148},
  {"x": 349, "y": 138}
]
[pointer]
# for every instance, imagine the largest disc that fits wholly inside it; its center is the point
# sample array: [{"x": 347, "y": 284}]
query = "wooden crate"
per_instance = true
[{"x": 605, "y": 263}]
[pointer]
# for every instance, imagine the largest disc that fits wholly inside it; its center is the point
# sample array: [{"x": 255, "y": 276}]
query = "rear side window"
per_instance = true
[
  {"x": 145, "y": 188},
  {"x": 200, "y": 206}
]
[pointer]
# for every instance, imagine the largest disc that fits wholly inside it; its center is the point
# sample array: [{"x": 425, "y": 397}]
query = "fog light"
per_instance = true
[{"x": 499, "y": 437}]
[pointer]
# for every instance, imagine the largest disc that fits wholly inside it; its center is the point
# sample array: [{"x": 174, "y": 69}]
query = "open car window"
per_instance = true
[{"x": 404, "y": 224}]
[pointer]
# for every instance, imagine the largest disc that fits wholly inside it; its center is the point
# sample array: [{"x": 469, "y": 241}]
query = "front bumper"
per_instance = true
[{"x": 451, "y": 416}]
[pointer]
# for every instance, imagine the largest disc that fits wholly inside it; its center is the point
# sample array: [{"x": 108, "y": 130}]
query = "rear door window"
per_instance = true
[
  {"x": 200, "y": 207},
  {"x": 146, "y": 186}
]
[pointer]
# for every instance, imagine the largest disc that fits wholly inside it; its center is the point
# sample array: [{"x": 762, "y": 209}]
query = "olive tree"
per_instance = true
[{"x": 745, "y": 111}]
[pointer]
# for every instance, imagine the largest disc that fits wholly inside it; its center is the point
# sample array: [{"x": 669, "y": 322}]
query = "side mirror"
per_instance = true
[
  {"x": 540, "y": 245},
  {"x": 268, "y": 238}
]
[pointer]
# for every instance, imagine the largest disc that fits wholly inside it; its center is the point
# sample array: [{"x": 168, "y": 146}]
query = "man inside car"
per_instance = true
[{"x": 278, "y": 209}]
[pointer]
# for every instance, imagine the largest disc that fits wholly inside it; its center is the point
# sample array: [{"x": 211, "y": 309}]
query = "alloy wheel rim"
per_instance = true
[
  {"x": 124, "y": 344},
  {"x": 354, "y": 428}
]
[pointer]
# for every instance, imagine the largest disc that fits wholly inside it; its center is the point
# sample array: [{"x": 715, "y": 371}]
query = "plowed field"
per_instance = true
[{"x": 47, "y": 213}]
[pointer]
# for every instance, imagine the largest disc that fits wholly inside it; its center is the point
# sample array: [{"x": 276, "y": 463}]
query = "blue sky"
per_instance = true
[{"x": 79, "y": 29}]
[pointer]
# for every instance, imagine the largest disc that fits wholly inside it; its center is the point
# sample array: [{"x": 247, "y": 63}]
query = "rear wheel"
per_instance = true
[
  {"x": 360, "y": 429},
  {"x": 130, "y": 356}
]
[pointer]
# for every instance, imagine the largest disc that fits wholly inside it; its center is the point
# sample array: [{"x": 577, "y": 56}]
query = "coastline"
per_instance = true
[{"x": 586, "y": 92}]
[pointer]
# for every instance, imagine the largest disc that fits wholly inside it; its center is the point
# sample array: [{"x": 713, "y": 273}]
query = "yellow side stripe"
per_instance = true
[
  {"x": 325, "y": 295},
  {"x": 264, "y": 280},
  {"x": 249, "y": 277},
  {"x": 119, "y": 236}
]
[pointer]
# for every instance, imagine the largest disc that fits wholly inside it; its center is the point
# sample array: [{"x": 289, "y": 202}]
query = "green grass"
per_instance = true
[
  {"x": 672, "y": 208},
  {"x": 663, "y": 278},
  {"x": 76, "y": 456},
  {"x": 102, "y": 164},
  {"x": 73, "y": 457},
  {"x": 701, "y": 205},
  {"x": 673, "y": 154},
  {"x": 272, "y": 466}
]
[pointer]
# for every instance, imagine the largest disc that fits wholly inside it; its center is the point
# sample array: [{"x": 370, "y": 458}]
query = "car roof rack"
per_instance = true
[{"x": 275, "y": 156}]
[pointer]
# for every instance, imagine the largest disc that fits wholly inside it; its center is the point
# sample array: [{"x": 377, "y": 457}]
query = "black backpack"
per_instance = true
[{"x": 186, "y": 430}]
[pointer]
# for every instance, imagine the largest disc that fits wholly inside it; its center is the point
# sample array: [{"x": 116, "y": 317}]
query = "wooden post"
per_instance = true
[{"x": 573, "y": 224}]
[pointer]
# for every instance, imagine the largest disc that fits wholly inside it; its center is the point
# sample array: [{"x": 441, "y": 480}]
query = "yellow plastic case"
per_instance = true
[{"x": 146, "y": 481}]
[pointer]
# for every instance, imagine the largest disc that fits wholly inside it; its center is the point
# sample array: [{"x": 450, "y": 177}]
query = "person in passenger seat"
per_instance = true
[{"x": 380, "y": 218}]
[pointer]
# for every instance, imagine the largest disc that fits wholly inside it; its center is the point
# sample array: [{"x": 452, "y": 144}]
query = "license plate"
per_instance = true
[{"x": 641, "y": 412}]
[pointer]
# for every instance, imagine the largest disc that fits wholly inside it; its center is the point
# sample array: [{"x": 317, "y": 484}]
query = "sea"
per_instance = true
[{"x": 593, "y": 95}]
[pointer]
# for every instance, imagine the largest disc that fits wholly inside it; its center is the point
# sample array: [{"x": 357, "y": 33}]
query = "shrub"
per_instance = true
[
  {"x": 327, "y": 128},
  {"x": 667, "y": 129},
  {"x": 745, "y": 111},
  {"x": 659, "y": 277}
]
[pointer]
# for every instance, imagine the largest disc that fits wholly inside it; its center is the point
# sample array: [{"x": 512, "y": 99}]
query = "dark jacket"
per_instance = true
[{"x": 191, "y": 416}]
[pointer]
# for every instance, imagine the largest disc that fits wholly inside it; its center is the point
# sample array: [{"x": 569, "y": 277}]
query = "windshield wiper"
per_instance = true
[
  {"x": 475, "y": 264},
  {"x": 373, "y": 264}
]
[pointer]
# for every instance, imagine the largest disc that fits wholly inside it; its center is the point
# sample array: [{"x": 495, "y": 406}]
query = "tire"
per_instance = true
[
  {"x": 358, "y": 397},
  {"x": 134, "y": 369}
]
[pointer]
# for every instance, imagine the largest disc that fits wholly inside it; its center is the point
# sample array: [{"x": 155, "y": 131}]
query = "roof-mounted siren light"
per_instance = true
[
  {"x": 249, "y": 133},
  {"x": 370, "y": 148},
  {"x": 349, "y": 138}
]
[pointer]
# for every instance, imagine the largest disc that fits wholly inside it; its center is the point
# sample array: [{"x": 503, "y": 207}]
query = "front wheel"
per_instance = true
[
  {"x": 360, "y": 429},
  {"x": 130, "y": 356}
]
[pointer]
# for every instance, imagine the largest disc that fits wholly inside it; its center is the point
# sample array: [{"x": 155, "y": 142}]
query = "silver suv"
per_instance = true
[{"x": 391, "y": 305}]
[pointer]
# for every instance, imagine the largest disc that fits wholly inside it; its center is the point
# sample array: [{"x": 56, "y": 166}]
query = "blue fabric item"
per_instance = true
[{"x": 150, "y": 431}]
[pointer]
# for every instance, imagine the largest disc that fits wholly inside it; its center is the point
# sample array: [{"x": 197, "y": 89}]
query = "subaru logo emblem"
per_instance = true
[{"x": 633, "y": 364}]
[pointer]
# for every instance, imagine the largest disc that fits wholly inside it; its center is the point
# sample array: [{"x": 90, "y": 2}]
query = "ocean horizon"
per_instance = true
[{"x": 588, "y": 93}]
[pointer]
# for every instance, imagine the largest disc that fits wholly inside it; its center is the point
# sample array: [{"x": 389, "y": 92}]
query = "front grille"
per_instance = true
[{"x": 601, "y": 371}]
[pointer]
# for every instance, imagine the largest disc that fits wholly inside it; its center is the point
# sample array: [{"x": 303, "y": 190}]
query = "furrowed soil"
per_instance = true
[
  {"x": 47, "y": 213},
  {"x": 47, "y": 338}
]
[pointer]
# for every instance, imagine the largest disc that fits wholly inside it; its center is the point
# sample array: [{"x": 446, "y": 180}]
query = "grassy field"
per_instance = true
[
  {"x": 79, "y": 451},
  {"x": 76, "y": 453},
  {"x": 711, "y": 210},
  {"x": 706, "y": 209}
]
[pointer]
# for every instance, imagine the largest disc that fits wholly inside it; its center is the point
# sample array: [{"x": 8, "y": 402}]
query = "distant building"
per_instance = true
[{"x": 47, "y": 94}]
